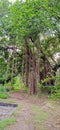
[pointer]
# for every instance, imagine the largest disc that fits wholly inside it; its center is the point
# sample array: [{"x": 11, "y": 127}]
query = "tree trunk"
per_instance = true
[
  {"x": 26, "y": 50},
  {"x": 33, "y": 85},
  {"x": 45, "y": 69}
]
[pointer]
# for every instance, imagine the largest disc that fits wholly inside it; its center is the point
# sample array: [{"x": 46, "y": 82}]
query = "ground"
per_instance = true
[{"x": 34, "y": 113}]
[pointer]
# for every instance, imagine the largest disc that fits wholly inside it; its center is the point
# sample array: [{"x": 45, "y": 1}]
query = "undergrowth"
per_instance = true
[
  {"x": 3, "y": 95},
  {"x": 6, "y": 122}
]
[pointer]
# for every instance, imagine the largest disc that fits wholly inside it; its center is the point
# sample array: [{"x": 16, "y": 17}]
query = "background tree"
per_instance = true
[{"x": 25, "y": 24}]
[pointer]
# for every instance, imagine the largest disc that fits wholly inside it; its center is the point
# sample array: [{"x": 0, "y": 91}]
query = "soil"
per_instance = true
[{"x": 35, "y": 113}]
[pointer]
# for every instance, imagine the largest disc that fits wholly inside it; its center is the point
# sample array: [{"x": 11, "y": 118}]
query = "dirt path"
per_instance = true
[{"x": 34, "y": 113}]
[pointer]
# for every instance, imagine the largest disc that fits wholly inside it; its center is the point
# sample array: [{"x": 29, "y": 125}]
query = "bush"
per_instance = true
[
  {"x": 25, "y": 89},
  {"x": 57, "y": 81},
  {"x": 19, "y": 85},
  {"x": 3, "y": 95},
  {"x": 56, "y": 95},
  {"x": 16, "y": 84},
  {"x": 1, "y": 88},
  {"x": 50, "y": 89},
  {"x": 40, "y": 86},
  {"x": 8, "y": 86}
]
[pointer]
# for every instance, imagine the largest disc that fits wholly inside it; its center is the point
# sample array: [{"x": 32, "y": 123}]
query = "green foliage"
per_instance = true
[
  {"x": 47, "y": 79},
  {"x": 25, "y": 89},
  {"x": 56, "y": 95},
  {"x": 57, "y": 79},
  {"x": 1, "y": 88},
  {"x": 3, "y": 95},
  {"x": 40, "y": 86},
  {"x": 49, "y": 89},
  {"x": 8, "y": 86},
  {"x": 6, "y": 122},
  {"x": 25, "y": 21},
  {"x": 3, "y": 68},
  {"x": 16, "y": 84},
  {"x": 33, "y": 17},
  {"x": 52, "y": 89}
]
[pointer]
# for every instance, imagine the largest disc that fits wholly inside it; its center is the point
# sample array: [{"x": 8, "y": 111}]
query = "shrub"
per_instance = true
[
  {"x": 25, "y": 89},
  {"x": 3, "y": 95},
  {"x": 40, "y": 86},
  {"x": 57, "y": 80},
  {"x": 8, "y": 86},
  {"x": 16, "y": 84},
  {"x": 56, "y": 95},
  {"x": 50, "y": 89},
  {"x": 1, "y": 88}
]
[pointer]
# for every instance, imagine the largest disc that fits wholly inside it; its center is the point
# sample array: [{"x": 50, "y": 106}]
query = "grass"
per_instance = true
[
  {"x": 35, "y": 108},
  {"x": 6, "y": 122},
  {"x": 16, "y": 112},
  {"x": 19, "y": 107},
  {"x": 7, "y": 101},
  {"x": 39, "y": 117},
  {"x": 10, "y": 101}
]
